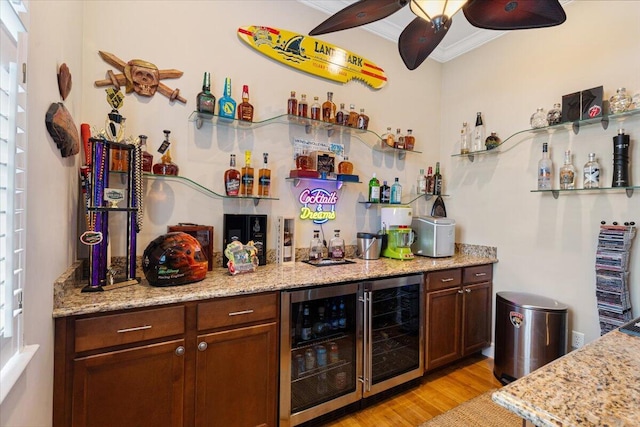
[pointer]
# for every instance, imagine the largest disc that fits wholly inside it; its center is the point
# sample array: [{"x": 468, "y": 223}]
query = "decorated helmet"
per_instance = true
[{"x": 174, "y": 259}]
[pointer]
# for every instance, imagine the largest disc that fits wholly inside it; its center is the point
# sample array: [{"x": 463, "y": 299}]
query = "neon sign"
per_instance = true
[{"x": 324, "y": 202}]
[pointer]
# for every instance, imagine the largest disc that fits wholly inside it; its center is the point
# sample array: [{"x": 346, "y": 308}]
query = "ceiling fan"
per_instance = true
[{"x": 433, "y": 19}]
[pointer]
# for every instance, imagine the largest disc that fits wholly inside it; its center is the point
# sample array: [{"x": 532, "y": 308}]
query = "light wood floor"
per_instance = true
[{"x": 436, "y": 393}]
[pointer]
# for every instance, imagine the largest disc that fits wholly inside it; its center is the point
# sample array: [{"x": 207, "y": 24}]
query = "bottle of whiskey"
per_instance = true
[
  {"x": 385, "y": 192},
  {"x": 329, "y": 109},
  {"x": 363, "y": 120},
  {"x": 399, "y": 140},
  {"x": 227, "y": 105},
  {"x": 264, "y": 178},
  {"x": 591, "y": 173},
  {"x": 292, "y": 104},
  {"x": 166, "y": 166},
  {"x": 387, "y": 138},
  {"x": 303, "y": 106},
  {"x": 567, "y": 173},
  {"x": 342, "y": 116},
  {"x": 545, "y": 169},
  {"x": 147, "y": 158},
  {"x": 206, "y": 101},
  {"x": 246, "y": 176},
  {"x": 352, "y": 121},
  {"x": 245, "y": 109},
  {"x": 232, "y": 178},
  {"x": 409, "y": 140},
  {"x": 437, "y": 181},
  {"x": 316, "y": 110},
  {"x": 345, "y": 167},
  {"x": 430, "y": 181}
]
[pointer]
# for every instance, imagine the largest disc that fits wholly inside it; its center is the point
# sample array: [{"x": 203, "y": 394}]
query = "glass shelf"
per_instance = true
[
  {"x": 562, "y": 127},
  {"x": 338, "y": 184},
  {"x": 370, "y": 138},
  {"x": 256, "y": 199},
  {"x": 556, "y": 193},
  {"x": 413, "y": 199}
]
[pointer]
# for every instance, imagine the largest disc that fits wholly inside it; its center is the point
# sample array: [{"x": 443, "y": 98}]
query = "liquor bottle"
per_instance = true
[
  {"x": 387, "y": 138},
  {"x": 437, "y": 181},
  {"x": 232, "y": 178},
  {"x": 264, "y": 177},
  {"x": 246, "y": 176},
  {"x": 303, "y": 161},
  {"x": 374, "y": 189},
  {"x": 334, "y": 321},
  {"x": 306, "y": 324},
  {"x": 409, "y": 140},
  {"x": 336, "y": 246},
  {"x": 421, "y": 183},
  {"x": 399, "y": 140},
  {"x": 342, "y": 314},
  {"x": 245, "y": 109},
  {"x": 567, "y": 173},
  {"x": 430, "y": 181},
  {"x": 345, "y": 167},
  {"x": 396, "y": 193},
  {"x": 342, "y": 116},
  {"x": 492, "y": 141},
  {"x": 227, "y": 105},
  {"x": 319, "y": 326},
  {"x": 385, "y": 193},
  {"x": 352, "y": 121},
  {"x": 465, "y": 139},
  {"x": 329, "y": 109},
  {"x": 591, "y": 173},
  {"x": 545, "y": 169},
  {"x": 166, "y": 166},
  {"x": 316, "y": 109},
  {"x": 554, "y": 116},
  {"x": 206, "y": 101},
  {"x": 363, "y": 120},
  {"x": 315, "y": 247},
  {"x": 292, "y": 104},
  {"x": 147, "y": 158},
  {"x": 303, "y": 106},
  {"x": 478, "y": 134}
]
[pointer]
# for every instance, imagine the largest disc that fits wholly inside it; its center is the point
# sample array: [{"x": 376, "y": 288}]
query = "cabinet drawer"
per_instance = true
[
  {"x": 443, "y": 279},
  {"x": 125, "y": 328},
  {"x": 480, "y": 273},
  {"x": 237, "y": 310}
]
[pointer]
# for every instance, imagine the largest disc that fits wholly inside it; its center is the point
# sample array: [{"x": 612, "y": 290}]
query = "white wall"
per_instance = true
[{"x": 545, "y": 246}]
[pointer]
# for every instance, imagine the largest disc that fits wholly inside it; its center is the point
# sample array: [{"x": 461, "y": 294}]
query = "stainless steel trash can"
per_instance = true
[{"x": 531, "y": 331}]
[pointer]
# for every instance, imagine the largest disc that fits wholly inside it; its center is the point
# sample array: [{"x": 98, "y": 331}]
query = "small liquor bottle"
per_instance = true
[
  {"x": 227, "y": 105},
  {"x": 437, "y": 181},
  {"x": 363, "y": 120},
  {"x": 206, "y": 101},
  {"x": 264, "y": 178},
  {"x": 387, "y": 138},
  {"x": 345, "y": 167},
  {"x": 316, "y": 109},
  {"x": 245, "y": 109},
  {"x": 246, "y": 176},
  {"x": 591, "y": 173},
  {"x": 399, "y": 140},
  {"x": 292, "y": 104},
  {"x": 567, "y": 173},
  {"x": 492, "y": 141},
  {"x": 336, "y": 246},
  {"x": 374, "y": 189},
  {"x": 545, "y": 169},
  {"x": 430, "y": 181},
  {"x": 396, "y": 193},
  {"x": 166, "y": 166},
  {"x": 385, "y": 192},
  {"x": 342, "y": 116},
  {"x": 421, "y": 183},
  {"x": 232, "y": 178},
  {"x": 352, "y": 121},
  {"x": 465, "y": 139},
  {"x": 303, "y": 106},
  {"x": 409, "y": 140},
  {"x": 147, "y": 158},
  {"x": 315, "y": 248},
  {"x": 329, "y": 109},
  {"x": 478, "y": 134}
]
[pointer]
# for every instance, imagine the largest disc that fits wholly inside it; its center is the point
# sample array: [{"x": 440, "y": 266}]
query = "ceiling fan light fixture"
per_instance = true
[{"x": 436, "y": 11}]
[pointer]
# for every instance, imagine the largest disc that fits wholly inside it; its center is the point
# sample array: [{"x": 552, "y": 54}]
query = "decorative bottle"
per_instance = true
[
  {"x": 554, "y": 116},
  {"x": 421, "y": 183},
  {"x": 567, "y": 173},
  {"x": 315, "y": 247},
  {"x": 396, "y": 193},
  {"x": 399, "y": 140},
  {"x": 539, "y": 119},
  {"x": 303, "y": 106},
  {"x": 619, "y": 102},
  {"x": 147, "y": 158},
  {"x": 245, "y": 109},
  {"x": 264, "y": 177},
  {"x": 352, "y": 121},
  {"x": 437, "y": 181},
  {"x": 227, "y": 105},
  {"x": 409, "y": 140},
  {"x": 206, "y": 101},
  {"x": 329, "y": 109},
  {"x": 336, "y": 246},
  {"x": 345, "y": 167},
  {"x": 478, "y": 133},
  {"x": 591, "y": 173},
  {"x": 316, "y": 109},
  {"x": 166, "y": 166},
  {"x": 387, "y": 138},
  {"x": 620, "y": 160},
  {"x": 385, "y": 192},
  {"x": 492, "y": 141},
  {"x": 363, "y": 120},
  {"x": 342, "y": 116},
  {"x": 465, "y": 139},
  {"x": 430, "y": 181},
  {"x": 292, "y": 105},
  {"x": 246, "y": 176},
  {"x": 232, "y": 178},
  {"x": 374, "y": 189},
  {"x": 545, "y": 169}
]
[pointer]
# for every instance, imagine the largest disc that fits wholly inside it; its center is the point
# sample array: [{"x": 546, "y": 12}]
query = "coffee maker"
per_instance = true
[{"x": 395, "y": 221}]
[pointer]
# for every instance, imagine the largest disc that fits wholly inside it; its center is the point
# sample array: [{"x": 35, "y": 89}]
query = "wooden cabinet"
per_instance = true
[
  {"x": 458, "y": 313},
  {"x": 211, "y": 363}
]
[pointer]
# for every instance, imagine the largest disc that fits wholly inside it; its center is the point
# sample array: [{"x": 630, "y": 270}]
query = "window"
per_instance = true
[{"x": 13, "y": 197}]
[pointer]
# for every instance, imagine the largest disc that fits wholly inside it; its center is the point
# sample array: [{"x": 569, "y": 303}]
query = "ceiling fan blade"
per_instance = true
[
  {"x": 514, "y": 14},
  {"x": 360, "y": 13},
  {"x": 418, "y": 40}
]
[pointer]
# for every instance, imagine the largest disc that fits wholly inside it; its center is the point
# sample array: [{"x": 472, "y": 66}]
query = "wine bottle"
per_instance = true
[
  {"x": 206, "y": 101},
  {"x": 437, "y": 181}
]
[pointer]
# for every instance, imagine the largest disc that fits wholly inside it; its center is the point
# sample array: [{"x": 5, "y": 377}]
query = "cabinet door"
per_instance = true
[
  {"x": 143, "y": 386},
  {"x": 236, "y": 377},
  {"x": 476, "y": 318},
  {"x": 443, "y": 327}
]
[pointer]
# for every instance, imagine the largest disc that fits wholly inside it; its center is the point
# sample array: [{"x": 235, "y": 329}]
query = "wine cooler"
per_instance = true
[{"x": 342, "y": 343}]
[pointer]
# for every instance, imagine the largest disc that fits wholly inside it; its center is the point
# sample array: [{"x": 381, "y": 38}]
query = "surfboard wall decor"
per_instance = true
[{"x": 312, "y": 55}]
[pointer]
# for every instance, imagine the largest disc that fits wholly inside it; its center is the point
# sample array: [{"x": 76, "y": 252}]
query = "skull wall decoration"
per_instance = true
[{"x": 142, "y": 77}]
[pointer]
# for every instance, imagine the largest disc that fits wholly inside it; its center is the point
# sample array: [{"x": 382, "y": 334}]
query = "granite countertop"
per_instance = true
[
  {"x": 70, "y": 301},
  {"x": 596, "y": 385}
]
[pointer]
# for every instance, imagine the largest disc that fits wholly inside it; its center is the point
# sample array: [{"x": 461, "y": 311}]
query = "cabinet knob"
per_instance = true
[
  {"x": 202, "y": 346},
  {"x": 460, "y": 291},
  {"x": 468, "y": 290},
  {"x": 180, "y": 351}
]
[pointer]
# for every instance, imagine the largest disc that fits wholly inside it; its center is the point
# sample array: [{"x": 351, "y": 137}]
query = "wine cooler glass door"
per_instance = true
[{"x": 320, "y": 355}]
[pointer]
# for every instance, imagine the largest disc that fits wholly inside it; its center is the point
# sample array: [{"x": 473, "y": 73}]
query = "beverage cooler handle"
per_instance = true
[
  {"x": 363, "y": 300},
  {"x": 368, "y": 336}
]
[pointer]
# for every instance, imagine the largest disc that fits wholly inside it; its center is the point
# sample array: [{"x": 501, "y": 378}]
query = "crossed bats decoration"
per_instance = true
[{"x": 140, "y": 76}]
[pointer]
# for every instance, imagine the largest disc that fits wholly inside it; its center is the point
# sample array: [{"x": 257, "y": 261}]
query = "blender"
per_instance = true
[{"x": 396, "y": 224}]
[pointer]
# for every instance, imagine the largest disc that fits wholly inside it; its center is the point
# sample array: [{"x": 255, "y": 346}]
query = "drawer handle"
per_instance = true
[
  {"x": 449, "y": 279},
  {"x": 239, "y": 313},
  {"x": 480, "y": 274},
  {"x": 137, "y": 328}
]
